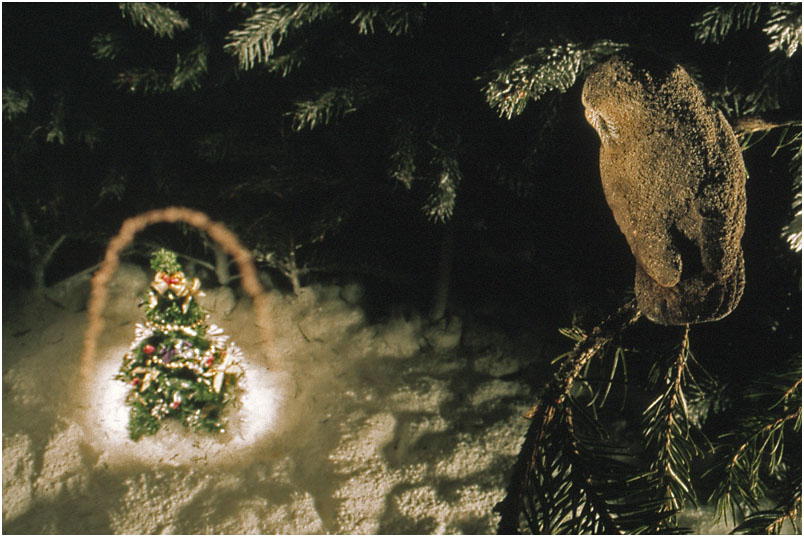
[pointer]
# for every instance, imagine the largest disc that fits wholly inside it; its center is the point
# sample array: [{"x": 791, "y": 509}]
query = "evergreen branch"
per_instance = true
[
  {"x": 15, "y": 102},
  {"x": 595, "y": 515},
  {"x": 165, "y": 261},
  {"x": 543, "y": 415},
  {"x": 791, "y": 232},
  {"x": 188, "y": 72},
  {"x": 105, "y": 46},
  {"x": 549, "y": 68},
  {"x": 145, "y": 80},
  {"x": 759, "y": 446},
  {"x": 587, "y": 347},
  {"x": 771, "y": 521},
  {"x": 754, "y": 446},
  {"x": 765, "y": 121},
  {"x": 190, "y": 68},
  {"x": 579, "y": 484},
  {"x": 737, "y": 102},
  {"x": 784, "y": 28},
  {"x": 599, "y": 515},
  {"x": 55, "y": 127},
  {"x": 364, "y": 19},
  {"x": 745, "y": 127},
  {"x": 403, "y": 154},
  {"x": 285, "y": 63},
  {"x": 265, "y": 29},
  {"x": 148, "y": 246},
  {"x": 791, "y": 391},
  {"x": 397, "y": 19},
  {"x": 667, "y": 432},
  {"x": 441, "y": 203},
  {"x": 330, "y": 104},
  {"x": 715, "y": 24},
  {"x": 162, "y": 20}
]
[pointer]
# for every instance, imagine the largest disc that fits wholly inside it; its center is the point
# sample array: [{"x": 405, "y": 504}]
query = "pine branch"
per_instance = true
[
  {"x": 330, "y": 104},
  {"x": 265, "y": 29},
  {"x": 441, "y": 203},
  {"x": 791, "y": 232},
  {"x": 765, "y": 121},
  {"x": 190, "y": 68},
  {"x": 284, "y": 64},
  {"x": 587, "y": 347},
  {"x": 784, "y": 28},
  {"x": 755, "y": 451},
  {"x": 147, "y": 246},
  {"x": 397, "y": 19},
  {"x": 772, "y": 521},
  {"x": 55, "y": 127},
  {"x": 188, "y": 72},
  {"x": 667, "y": 432},
  {"x": 162, "y": 20},
  {"x": 715, "y": 24},
  {"x": 551, "y": 68},
  {"x": 551, "y": 403},
  {"x": 579, "y": 484},
  {"x": 403, "y": 154},
  {"x": 15, "y": 102},
  {"x": 165, "y": 261},
  {"x": 746, "y": 127},
  {"x": 145, "y": 80},
  {"x": 105, "y": 46}
]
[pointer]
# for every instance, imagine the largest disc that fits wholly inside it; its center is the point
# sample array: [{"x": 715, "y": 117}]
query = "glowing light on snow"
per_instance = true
[
  {"x": 131, "y": 226},
  {"x": 249, "y": 420},
  {"x": 106, "y": 411}
]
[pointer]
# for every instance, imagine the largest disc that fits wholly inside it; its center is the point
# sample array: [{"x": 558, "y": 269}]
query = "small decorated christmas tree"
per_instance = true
[{"x": 178, "y": 366}]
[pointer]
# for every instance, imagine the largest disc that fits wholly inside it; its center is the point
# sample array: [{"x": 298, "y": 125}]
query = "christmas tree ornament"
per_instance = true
[
  {"x": 674, "y": 178},
  {"x": 178, "y": 366}
]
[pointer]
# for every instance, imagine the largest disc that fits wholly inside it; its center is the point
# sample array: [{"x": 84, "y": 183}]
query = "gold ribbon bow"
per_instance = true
[
  {"x": 151, "y": 374},
  {"x": 177, "y": 283},
  {"x": 218, "y": 373}
]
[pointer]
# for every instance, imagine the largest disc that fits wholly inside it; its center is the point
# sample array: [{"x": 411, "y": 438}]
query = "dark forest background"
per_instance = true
[{"x": 373, "y": 142}]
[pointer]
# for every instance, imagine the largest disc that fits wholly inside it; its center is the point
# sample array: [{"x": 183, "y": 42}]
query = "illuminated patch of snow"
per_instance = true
[{"x": 251, "y": 419}]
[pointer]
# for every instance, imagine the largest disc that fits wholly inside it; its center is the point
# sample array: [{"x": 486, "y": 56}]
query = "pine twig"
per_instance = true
[
  {"x": 585, "y": 350},
  {"x": 544, "y": 411},
  {"x": 667, "y": 433},
  {"x": 763, "y": 122}
]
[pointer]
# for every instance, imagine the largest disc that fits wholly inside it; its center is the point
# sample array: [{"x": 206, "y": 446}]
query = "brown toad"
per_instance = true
[{"x": 674, "y": 178}]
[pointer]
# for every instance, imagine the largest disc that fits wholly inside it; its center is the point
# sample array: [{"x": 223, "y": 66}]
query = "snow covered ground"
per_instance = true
[{"x": 343, "y": 426}]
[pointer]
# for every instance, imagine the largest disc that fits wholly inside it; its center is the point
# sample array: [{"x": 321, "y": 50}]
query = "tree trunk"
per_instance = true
[
  {"x": 444, "y": 274},
  {"x": 293, "y": 268},
  {"x": 37, "y": 260}
]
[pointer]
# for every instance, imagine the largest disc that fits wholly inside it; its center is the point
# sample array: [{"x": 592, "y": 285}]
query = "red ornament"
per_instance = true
[
  {"x": 175, "y": 404},
  {"x": 208, "y": 361},
  {"x": 174, "y": 281},
  {"x": 148, "y": 348},
  {"x": 166, "y": 278},
  {"x": 135, "y": 381}
]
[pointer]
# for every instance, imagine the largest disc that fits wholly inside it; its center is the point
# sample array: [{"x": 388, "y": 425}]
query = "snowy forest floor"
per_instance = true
[{"x": 344, "y": 426}]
